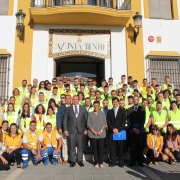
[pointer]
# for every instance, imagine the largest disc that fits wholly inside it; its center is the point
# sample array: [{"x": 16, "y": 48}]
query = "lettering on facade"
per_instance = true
[{"x": 87, "y": 42}]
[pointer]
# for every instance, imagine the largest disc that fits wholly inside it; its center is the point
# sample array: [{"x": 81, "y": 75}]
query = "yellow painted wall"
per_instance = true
[
  {"x": 23, "y": 51},
  {"x": 175, "y": 9},
  {"x": 11, "y": 7},
  {"x": 146, "y": 8},
  {"x": 135, "y": 52}
]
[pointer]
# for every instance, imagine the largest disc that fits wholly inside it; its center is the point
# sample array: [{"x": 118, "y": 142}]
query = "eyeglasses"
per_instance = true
[{"x": 89, "y": 81}]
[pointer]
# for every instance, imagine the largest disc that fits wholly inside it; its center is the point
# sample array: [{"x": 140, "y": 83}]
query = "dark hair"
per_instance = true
[
  {"x": 124, "y": 85},
  {"x": 149, "y": 96},
  {"x": 106, "y": 86},
  {"x": 23, "y": 111},
  {"x": 159, "y": 103},
  {"x": 177, "y": 95},
  {"x": 129, "y": 77},
  {"x": 144, "y": 79},
  {"x": 24, "y": 80},
  {"x": 155, "y": 127},
  {"x": 32, "y": 122},
  {"x": 4, "y": 123},
  {"x": 114, "y": 99},
  {"x": 135, "y": 90},
  {"x": 8, "y": 106},
  {"x": 55, "y": 87},
  {"x": 167, "y": 90},
  {"x": 50, "y": 101},
  {"x": 173, "y": 102},
  {"x": 174, "y": 133},
  {"x": 48, "y": 109},
  {"x": 81, "y": 94},
  {"x": 9, "y": 131},
  {"x": 96, "y": 102},
  {"x": 40, "y": 85},
  {"x": 98, "y": 92},
  {"x": 48, "y": 124},
  {"x": 82, "y": 85},
  {"x": 176, "y": 90},
  {"x": 36, "y": 109},
  {"x": 123, "y": 75},
  {"x": 135, "y": 81},
  {"x": 67, "y": 85},
  {"x": 76, "y": 78},
  {"x": 130, "y": 97},
  {"x": 113, "y": 91},
  {"x": 87, "y": 98},
  {"x": 110, "y": 78}
]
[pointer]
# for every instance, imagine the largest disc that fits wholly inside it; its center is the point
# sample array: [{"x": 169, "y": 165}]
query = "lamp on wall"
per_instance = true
[
  {"x": 132, "y": 32},
  {"x": 20, "y": 24}
]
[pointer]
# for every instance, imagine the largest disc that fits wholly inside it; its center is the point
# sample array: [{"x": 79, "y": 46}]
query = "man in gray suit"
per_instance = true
[{"x": 74, "y": 125}]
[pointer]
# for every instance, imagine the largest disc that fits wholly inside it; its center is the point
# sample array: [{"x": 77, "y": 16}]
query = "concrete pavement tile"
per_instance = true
[
  {"x": 82, "y": 178},
  {"x": 102, "y": 178}
]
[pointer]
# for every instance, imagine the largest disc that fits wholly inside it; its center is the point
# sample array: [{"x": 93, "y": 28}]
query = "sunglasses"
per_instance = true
[
  {"x": 119, "y": 91},
  {"x": 89, "y": 81},
  {"x": 63, "y": 97}
]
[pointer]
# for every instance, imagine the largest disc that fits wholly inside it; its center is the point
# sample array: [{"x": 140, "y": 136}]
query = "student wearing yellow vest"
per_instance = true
[
  {"x": 160, "y": 118},
  {"x": 50, "y": 118},
  {"x": 30, "y": 139},
  {"x": 149, "y": 93},
  {"x": 42, "y": 88},
  {"x": 12, "y": 145},
  {"x": 123, "y": 81},
  {"x": 143, "y": 88},
  {"x": 51, "y": 142},
  {"x": 106, "y": 94},
  {"x": 25, "y": 118},
  {"x": 33, "y": 96},
  {"x": 174, "y": 116},
  {"x": 54, "y": 95},
  {"x": 150, "y": 104},
  {"x": 166, "y": 100},
  {"x": 130, "y": 102},
  {"x": 85, "y": 92},
  {"x": 10, "y": 115},
  {"x": 98, "y": 97},
  {"x": 81, "y": 98},
  {"x": 103, "y": 84},
  {"x": 113, "y": 94},
  {"x": 23, "y": 89},
  {"x": 92, "y": 95},
  {"x": 75, "y": 87},
  {"x": 155, "y": 146},
  {"x": 111, "y": 85},
  {"x": 88, "y": 105},
  {"x": 3, "y": 133},
  {"x": 12, "y": 100},
  {"x": 39, "y": 117},
  {"x": 173, "y": 95},
  {"x": 120, "y": 94}
]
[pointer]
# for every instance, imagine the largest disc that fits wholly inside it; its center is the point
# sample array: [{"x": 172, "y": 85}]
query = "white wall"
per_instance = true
[
  {"x": 43, "y": 67},
  {"x": 7, "y": 40}
]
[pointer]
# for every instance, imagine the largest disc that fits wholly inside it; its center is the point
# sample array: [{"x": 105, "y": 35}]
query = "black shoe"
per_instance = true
[
  {"x": 131, "y": 164},
  {"x": 35, "y": 164},
  {"x": 72, "y": 164},
  {"x": 24, "y": 167},
  {"x": 140, "y": 164},
  {"x": 111, "y": 165},
  {"x": 121, "y": 165},
  {"x": 81, "y": 164}
]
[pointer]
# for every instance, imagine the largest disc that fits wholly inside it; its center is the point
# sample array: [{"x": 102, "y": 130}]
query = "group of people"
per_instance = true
[{"x": 60, "y": 120}]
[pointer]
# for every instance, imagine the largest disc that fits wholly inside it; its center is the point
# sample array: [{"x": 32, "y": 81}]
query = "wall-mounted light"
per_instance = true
[
  {"x": 20, "y": 24},
  {"x": 133, "y": 32}
]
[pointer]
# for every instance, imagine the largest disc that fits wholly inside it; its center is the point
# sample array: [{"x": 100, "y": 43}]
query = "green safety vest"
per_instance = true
[
  {"x": 165, "y": 86},
  {"x": 147, "y": 118},
  {"x": 25, "y": 123},
  {"x": 23, "y": 91},
  {"x": 39, "y": 124},
  {"x": 174, "y": 118},
  {"x": 11, "y": 118},
  {"x": 51, "y": 120},
  {"x": 160, "y": 120}
]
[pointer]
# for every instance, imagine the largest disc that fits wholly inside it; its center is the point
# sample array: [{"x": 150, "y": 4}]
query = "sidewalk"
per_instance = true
[{"x": 63, "y": 172}]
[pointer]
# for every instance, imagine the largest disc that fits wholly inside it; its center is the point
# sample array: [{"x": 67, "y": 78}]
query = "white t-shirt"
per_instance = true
[{"x": 41, "y": 138}]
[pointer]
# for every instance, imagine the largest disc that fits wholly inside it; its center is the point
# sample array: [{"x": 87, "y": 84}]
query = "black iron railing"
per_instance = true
[{"x": 120, "y": 4}]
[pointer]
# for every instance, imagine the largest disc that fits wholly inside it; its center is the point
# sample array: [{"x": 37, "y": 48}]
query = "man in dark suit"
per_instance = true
[
  {"x": 136, "y": 115},
  {"x": 116, "y": 120},
  {"x": 74, "y": 124},
  {"x": 59, "y": 124}
]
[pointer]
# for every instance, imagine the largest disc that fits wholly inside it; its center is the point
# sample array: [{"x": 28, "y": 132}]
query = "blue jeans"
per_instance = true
[
  {"x": 25, "y": 156},
  {"x": 46, "y": 153}
]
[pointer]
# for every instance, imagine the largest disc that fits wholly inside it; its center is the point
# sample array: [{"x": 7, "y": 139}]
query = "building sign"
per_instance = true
[{"x": 83, "y": 42}]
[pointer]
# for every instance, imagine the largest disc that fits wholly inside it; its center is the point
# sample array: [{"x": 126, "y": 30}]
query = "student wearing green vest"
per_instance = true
[
  {"x": 85, "y": 92},
  {"x": 165, "y": 104},
  {"x": 150, "y": 104},
  {"x": 130, "y": 102},
  {"x": 174, "y": 116},
  {"x": 98, "y": 98},
  {"x": 81, "y": 98},
  {"x": 88, "y": 105},
  {"x": 166, "y": 83},
  {"x": 160, "y": 118},
  {"x": 149, "y": 92},
  {"x": 25, "y": 118},
  {"x": 50, "y": 118},
  {"x": 178, "y": 100},
  {"x": 103, "y": 84},
  {"x": 23, "y": 89},
  {"x": 55, "y": 95},
  {"x": 173, "y": 95},
  {"x": 113, "y": 94},
  {"x": 167, "y": 100},
  {"x": 106, "y": 94}
]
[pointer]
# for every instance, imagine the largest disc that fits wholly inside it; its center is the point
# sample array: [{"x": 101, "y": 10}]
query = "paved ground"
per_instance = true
[{"x": 62, "y": 172}]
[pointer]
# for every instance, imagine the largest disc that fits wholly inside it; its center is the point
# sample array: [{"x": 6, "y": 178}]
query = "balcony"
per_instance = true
[{"x": 81, "y": 12}]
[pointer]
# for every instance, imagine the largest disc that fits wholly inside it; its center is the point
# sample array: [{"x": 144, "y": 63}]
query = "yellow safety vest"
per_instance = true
[
  {"x": 23, "y": 91},
  {"x": 160, "y": 120},
  {"x": 3, "y": 136},
  {"x": 51, "y": 120},
  {"x": 25, "y": 123},
  {"x": 174, "y": 118},
  {"x": 147, "y": 118},
  {"x": 11, "y": 118},
  {"x": 157, "y": 143},
  {"x": 51, "y": 141},
  {"x": 12, "y": 142},
  {"x": 32, "y": 140}
]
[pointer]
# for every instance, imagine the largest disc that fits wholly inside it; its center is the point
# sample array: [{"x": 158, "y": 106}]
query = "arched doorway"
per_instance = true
[{"x": 80, "y": 66}]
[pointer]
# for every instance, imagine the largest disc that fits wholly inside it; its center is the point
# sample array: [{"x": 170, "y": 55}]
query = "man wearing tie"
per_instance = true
[
  {"x": 74, "y": 124},
  {"x": 116, "y": 119},
  {"x": 136, "y": 115}
]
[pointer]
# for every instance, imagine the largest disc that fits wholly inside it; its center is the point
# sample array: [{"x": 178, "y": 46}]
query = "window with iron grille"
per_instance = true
[
  {"x": 4, "y": 78},
  {"x": 4, "y": 4},
  {"x": 159, "y": 67},
  {"x": 161, "y": 9}
]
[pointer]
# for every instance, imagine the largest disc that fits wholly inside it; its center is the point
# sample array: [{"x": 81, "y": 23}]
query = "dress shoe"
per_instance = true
[
  {"x": 72, "y": 164},
  {"x": 111, "y": 165},
  {"x": 121, "y": 165},
  {"x": 131, "y": 164},
  {"x": 140, "y": 164},
  {"x": 81, "y": 164}
]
